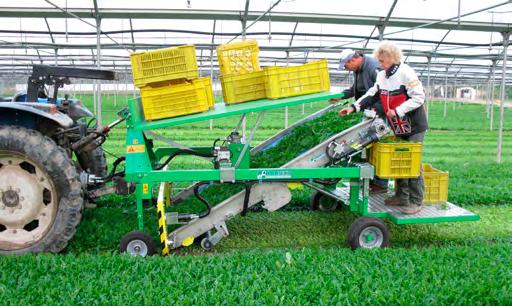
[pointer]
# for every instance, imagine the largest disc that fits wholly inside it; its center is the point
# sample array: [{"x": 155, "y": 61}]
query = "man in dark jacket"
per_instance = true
[{"x": 365, "y": 71}]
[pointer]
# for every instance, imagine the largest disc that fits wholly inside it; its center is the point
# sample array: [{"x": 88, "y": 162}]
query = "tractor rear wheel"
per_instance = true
[
  {"x": 41, "y": 197},
  {"x": 98, "y": 162}
]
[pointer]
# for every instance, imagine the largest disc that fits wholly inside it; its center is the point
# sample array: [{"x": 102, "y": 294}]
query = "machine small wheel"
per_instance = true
[
  {"x": 322, "y": 202},
  {"x": 138, "y": 243},
  {"x": 199, "y": 239},
  {"x": 206, "y": 244},
  {"x": 368, "y": 233}
]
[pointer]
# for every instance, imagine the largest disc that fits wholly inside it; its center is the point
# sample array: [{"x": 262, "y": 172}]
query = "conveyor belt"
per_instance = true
[{"x": 274, "y": 195}]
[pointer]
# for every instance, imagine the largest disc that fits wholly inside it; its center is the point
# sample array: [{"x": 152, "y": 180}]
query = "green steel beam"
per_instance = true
[
  {"x": 119, "y": 13},
  {"x": 399, "y": 221},
  {"x": 208, "y": 46},
  {"x": 254, "y": 174},
  {"x": 435, "y": 220}
]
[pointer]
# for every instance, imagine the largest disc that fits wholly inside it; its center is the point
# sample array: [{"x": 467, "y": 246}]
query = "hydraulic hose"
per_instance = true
[
  {"x": 114, "y": 167},
  {"x": 181, "y": 152},
  {"x": 246, "y": 198},
  {"x": 203, "y": 200},
  {"x": 209, "y": 206},
  {"x": 327, "y": 182}
]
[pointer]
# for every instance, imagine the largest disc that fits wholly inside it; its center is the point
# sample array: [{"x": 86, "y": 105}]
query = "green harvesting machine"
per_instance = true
[{"x": 332, "y": 169}]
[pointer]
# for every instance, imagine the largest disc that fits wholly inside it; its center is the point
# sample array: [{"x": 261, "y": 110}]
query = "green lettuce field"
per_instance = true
[{"x": 295, "y": 256}]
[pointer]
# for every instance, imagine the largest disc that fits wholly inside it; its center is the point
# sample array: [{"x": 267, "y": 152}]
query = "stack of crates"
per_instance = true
[
  {"x": 242, "y": 78},
  {"x": 169, "y": 83}
]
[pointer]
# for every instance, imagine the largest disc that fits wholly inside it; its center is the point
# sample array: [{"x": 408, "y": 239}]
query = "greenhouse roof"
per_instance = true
[{"x": 459, "y": 38}]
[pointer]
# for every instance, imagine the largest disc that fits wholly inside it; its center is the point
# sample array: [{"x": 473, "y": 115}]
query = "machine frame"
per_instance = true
[{"x": 142, "y": 157}]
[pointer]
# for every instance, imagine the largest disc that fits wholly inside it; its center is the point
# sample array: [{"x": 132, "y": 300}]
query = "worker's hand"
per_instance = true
[
  {"x": 334, "y": 100},
  {"x": 346, "y": 111},
  {"x": 391, "y": 113}
]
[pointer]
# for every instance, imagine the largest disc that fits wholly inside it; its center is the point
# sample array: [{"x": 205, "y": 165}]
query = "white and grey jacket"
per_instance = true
[{"x": 401, "y": 91}]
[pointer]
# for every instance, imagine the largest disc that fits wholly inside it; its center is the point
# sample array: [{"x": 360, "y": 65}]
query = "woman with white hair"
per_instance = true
[{"x": 402, "y": 97}]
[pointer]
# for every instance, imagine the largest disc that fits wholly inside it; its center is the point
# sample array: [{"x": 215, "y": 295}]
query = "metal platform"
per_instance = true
[
  {"x": 442, "y": 212},
  {"x": 431, "y": 213},
  {"x": 221, "y": 110}
]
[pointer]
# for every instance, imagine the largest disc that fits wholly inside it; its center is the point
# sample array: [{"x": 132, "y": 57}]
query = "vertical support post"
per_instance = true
[
  {"x": 506, "y": 36},
  {"x": 244, "y": 30},
  {"x": 491, "y": 109},
  {"x": 354, "y": 195},
  {"x": 429, "y": 96},
  {"x": 200, "y": 62},
  {"x": 445, "y": 92},
  {"x": 98, "y": 62},
  {"x": 211, "y": 63},
  {"x": 244, "y": 19},
  {"x": 95, "y": 59},
  {"x": 131, "y": 33},
  {"x": 244, "y": 129},
  {"x": 381, "y": 32},
  {"x": 115, "y": 93},
  {"x": 140, "y": 206},
  {"x": 286, "y": 117},
  {"x": 455, "y": 93},
  {"x": 488, "y": 94}
]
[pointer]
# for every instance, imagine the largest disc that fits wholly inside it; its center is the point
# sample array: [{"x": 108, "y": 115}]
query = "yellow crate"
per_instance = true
[
  {"x": 396, "y": 159},
  {"x": 164, "y": 65},
  {"x": 297, "y": 80},
  {"x": 176, "y": 99},
  {"x": 239, "y": 57},
  {"x": 436, "y": 185},
  {"x": 238, "y": 88}
]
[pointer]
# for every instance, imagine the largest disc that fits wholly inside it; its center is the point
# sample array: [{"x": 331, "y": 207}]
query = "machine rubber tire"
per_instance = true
[
  {"x": 206, "y": 244},
  {"x": 52, "y": 166},
  {"x": 137, "y": 239},
  {"x": 200, "y": 238},
  {"x": 317, "y": 200},
  {"x": 364, "y": 226}
]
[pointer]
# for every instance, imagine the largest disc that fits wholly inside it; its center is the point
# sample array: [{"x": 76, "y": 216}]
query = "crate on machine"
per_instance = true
[
  {"x": 237, "y": 88},
  {"x": 172, "y": 100},
  {"x": 238, "y": 58},
  {"x": 393, "y": 158},
  {"x": 292, "y": 81},
  {"x": 164, "y": 65}
]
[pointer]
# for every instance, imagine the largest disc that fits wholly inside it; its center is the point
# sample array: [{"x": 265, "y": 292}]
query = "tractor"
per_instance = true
[{"x": 51, "y": 162}]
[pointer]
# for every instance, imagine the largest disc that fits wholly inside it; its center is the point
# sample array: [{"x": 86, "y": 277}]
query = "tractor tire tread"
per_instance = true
[{"x": 61, "y": 169}]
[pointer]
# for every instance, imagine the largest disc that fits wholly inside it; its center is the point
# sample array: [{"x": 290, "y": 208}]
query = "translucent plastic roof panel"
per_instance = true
[{"x": 26, "y": 40}]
